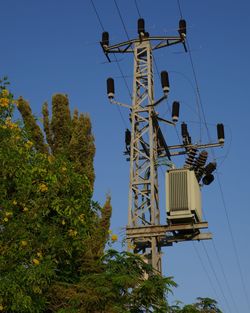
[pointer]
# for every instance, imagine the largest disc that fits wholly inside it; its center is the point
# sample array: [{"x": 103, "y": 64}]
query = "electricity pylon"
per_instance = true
[{"x": 145, "y": 144}]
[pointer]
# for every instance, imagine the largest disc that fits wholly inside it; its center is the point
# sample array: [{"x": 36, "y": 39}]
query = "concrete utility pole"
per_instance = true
[{"x": 145, "y": 145}]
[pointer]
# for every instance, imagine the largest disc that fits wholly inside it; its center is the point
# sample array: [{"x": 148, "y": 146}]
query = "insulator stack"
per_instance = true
[
  {"x": 165, "y": 82},
  {"x": 127, "y": 137},
  {"x": 184, "y": 130},
  {"x": 105, "y": 39},
  {"x": 220, "y": 133},
  {"x": 185, "y": 134},
  {"x": 210, "y": 167},
  {"x": 182, "y": 28},
  {"x": 201, "y": 160},
  {"x": 141, "y": 26},
  {"x": 189, "y": 163},
  {"x": 200, "y": 163},
  {"x": 175, "y": 111},
  {"x": 208, "y": 179},
  {"x": 110, "y": 88}
]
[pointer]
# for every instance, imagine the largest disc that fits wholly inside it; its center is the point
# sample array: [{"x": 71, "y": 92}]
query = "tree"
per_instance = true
[
  {"x": 204, "y": 305},
  {"x": 52, "y": 234}
]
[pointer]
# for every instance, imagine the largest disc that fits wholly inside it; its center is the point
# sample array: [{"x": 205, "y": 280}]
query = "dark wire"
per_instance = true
[
  {"x": 216, "y": 277},
  {"x": 221, "y": 191},
  {"x": 205, "y": 270},
  {"x": 233, "y": 241},
  {"x": 100, "y": 22},
  {"x": 137, "y": 8},
  {"x": 178, "y": 2},
  {"x": 119, "y": 12},
  {"x": 97, "y": 15},
  {"x": 224, "y": 276}
]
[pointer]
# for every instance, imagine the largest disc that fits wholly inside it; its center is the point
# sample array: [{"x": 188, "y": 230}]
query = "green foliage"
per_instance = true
[
  {"x": 118, "y": 287},
  {"x": 52, "y": 235},
  {"x": 204, "y": 305}
]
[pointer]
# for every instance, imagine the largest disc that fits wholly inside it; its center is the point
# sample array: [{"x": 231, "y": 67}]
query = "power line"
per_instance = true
[
  {"x": 97, "y": 15},
  {"x": 205, "y": 270},
  {"x": 137, "y": 8},
  {"x": 216, "y": 277},
  {"x": 118, "y": 65},
  {"x": 220, "y": 186},
  {"x": 157, "y": 70}
]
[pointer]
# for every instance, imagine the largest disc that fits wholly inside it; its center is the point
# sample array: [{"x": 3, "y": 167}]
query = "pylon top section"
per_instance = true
[{"x": 157, "y": 42}]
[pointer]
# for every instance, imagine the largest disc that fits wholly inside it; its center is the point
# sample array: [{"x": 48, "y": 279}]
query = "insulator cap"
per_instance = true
[
  {"x": 220, "y": 133},
  {"x": 190, "y": 159},
  {"x": 127, "y": 137},
  {"x": 182, "y": 28},
  {"x": 210, "y": 167},
  {"x": 165, "y": 82},
  {"x": 175, "y": 111},
  {"x": 184, "y": 130},
  {"x": 105, "y": 39},
  {"x": 208, "y": 179},
  {"x": 110, "y": 88},
  {"x": 201, "y": 160},
  {"x": 141, "y": 26}
]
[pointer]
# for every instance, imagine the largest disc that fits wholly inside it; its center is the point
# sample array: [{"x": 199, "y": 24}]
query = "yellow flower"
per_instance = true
[
  {"x": 131, "y": 247},
  {"x": 5, "y": 93},
  {"x": 8, "y": 214},
  {"x": 51, "y": 158},
  {"x": 114, "y": 237},
  {"x": 39, "y": 254},
  {"x": 1, "y": 307},
  {"x": 14, "y": 202},
  {"x": 24, "y": 243},
  {"x": 36, "y": 261},
  {"x": 37, "y": 289},
  {"x": 28, "y": 144},
  {"x": 4, "y": 102},
  {"x": 72, "y": 233},
  {"x": 63, "y": 222},
  {"x": 63, "y": 169},
  {"x": 25, "y": 209},
  {"x": 43, "y": 187},
  {"x": 6, "y": 219},
  {"x": 81, "y": 217}
]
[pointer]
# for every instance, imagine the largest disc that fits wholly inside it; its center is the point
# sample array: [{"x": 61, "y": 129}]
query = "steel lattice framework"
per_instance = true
[{"x": 145, "y": 235}]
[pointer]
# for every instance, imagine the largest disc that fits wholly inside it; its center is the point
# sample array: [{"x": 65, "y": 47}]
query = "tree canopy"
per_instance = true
[{"x": 52, "y": 234}]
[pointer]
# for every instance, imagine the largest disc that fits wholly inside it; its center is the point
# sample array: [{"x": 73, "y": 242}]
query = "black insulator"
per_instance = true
[
  {"x": 141, "y": 26},
  {"x": 165, "y": 81},
  {"x": 201, "y": 160},
  {"x": 175, "y": 111},
  {"x": 190, "y": 159},
  {"x": 110, "y": 88},
  {"x": 210, "y": 167},
  {"x": 220, "y": 133},
  {"x": 199, "y": 173},
  {"x": 105, "y": 38},
  {"x": 146, "y": 34},
  {"x": 184, "y": 130},
  {"x": 182, "y": 28},
  {"x": 208, "y": 179},
  {"x": 127, "y": 137}
]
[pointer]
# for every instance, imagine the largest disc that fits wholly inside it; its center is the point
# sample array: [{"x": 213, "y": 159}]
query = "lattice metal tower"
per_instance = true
[
  {"x": 143, "y": 188},
  {"x": 146, "y": 143}
]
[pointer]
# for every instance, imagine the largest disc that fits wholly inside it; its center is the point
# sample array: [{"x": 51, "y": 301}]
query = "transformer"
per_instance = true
[{"x": 183, "y": 196}]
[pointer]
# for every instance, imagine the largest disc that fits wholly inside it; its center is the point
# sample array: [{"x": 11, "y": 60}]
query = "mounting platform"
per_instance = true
[{"x": 166, "y": 235}]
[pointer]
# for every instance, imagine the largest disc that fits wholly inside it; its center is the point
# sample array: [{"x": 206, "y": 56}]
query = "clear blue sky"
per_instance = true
[{"x": 52, "y": 46}]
